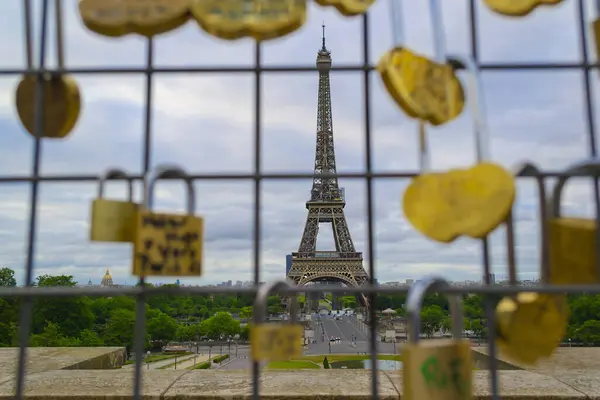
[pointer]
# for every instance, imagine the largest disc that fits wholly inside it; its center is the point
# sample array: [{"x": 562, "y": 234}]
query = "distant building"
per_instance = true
[
  {"x": 288, "y": 263},
  {"x": 492, "y": 279},
  {"x": 107, "y": 280}
]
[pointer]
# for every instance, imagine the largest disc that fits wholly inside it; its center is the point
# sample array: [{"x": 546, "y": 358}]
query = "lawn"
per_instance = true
[
  {"x": 297, "y": 364},
  {"x": 158, "y": 357},
  {"x": 344, "y": 357}
]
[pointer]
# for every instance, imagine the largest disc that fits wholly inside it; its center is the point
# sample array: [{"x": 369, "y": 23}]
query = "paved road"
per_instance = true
[{"x": 354, "y": 337}]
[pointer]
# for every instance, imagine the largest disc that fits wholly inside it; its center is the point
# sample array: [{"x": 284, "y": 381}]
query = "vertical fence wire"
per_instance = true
[
  {"x": 26, "y": 310},
  {"x": 485, "y": 246},
  {"x": 140, "y": 306},
  {"x": 257, "y": 193},
  {"x": 370, "y": 208}
]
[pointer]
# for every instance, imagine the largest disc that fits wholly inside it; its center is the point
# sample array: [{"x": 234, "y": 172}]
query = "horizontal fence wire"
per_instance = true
[{"x": 141, "y": 292}]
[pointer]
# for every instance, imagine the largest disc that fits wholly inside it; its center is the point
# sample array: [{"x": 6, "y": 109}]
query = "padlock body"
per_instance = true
[
  {"x": 572, "y": 251},
  {"x": 530, "y": 326},
  {"x": 276, "y": 341},
  {"x": 424, "y": 89},
  {"x": 113, "y": 221},
  {"x": 438, "y": 370},
  {"x": 167, "y": 244},
  {"x": 596, "y": 31}
]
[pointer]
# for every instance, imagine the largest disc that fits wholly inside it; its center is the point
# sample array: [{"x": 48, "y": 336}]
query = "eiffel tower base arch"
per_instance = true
[{"x": 347, "y": 270}]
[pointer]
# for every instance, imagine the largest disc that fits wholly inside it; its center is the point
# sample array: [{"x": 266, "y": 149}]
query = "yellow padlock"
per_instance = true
[
  {"x": 60, "y": 101},
  {"x": 573, "y": 251},
  {"x": 596, "y": 33},
  {"x": 425, "y": 89},
  {"x": 437, "y": 369},
  {"x": 113, "y": 220},
  {"x": 168, "y": 244},
  {"x": 275, "y": 341},
  {"x": 518, "y": 8},
  {"x": 116, "y": 18},
  {"x": 259, "y": 19},
  {"x": 530, "y": 325}
]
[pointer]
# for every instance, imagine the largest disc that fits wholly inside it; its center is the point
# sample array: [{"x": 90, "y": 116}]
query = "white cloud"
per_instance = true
[{"x": 206, "y": 124}]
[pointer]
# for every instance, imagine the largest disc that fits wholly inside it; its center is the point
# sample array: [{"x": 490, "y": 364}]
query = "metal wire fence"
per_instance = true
[{"x": 141, "y": 292}]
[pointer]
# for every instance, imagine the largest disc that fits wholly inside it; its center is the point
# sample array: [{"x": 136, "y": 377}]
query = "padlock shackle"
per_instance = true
[
  {"x": 260, "y": 302},
  {"x": 475, "y": 98},
  {"x": 529, "y": 169},
  {"x": 414, "y": 303},
  {"x": 437, "y": 23},
  {"x": 171, "y": 172},
  {"x": 114, "y": 173},
  {"x": 580, "y": 168}
]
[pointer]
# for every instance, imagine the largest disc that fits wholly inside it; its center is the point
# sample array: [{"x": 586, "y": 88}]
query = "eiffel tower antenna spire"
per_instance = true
[{"x": 323, "y": 26}]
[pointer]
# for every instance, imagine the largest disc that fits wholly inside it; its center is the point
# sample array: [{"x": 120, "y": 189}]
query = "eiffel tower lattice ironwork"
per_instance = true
[{"x": 326, "y": 205}]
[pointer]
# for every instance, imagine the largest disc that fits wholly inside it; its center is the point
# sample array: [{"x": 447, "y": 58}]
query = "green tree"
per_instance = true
[
  {"x": 246, "y": 312},
  {"x": 7, "y": 277},
  {"x": 52, "y": 336},
  {"x": 221, "y": 324},
  {"x": 9, "y": 309},
  {"x": 189, "y": 332},
  {"x": 120, "y": 329},
  {"x": 70, "y": 314},
  {"x": 326, "y": 363},
  {"x": 431, "y": 319},
  {"x": 245, "y": 332},
  {"x": 89, "y": 338},
  {"x": 588, "y": 333},
  {"x": 161, "y": 327}
]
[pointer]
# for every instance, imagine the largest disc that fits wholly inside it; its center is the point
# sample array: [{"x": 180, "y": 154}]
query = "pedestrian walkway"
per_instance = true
[
  {"x": 161, "y": 363},
  {"x": 188, "y": 362}
]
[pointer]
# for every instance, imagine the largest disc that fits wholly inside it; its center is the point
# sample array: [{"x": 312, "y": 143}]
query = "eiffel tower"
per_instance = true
[{"x": 326, "y": 205}]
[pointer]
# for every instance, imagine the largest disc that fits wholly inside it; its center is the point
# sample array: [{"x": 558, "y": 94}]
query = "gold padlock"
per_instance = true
[
  {"x": 60, "y": 97},
  {"x": 530, "y": 325},
  {"x": 113, "y": 220},
  {"x": 596, "y": 33},
  {"x": 438, "y": 369},
  {"x": 275, "y": 341},
  {"x": 167, "y": 244},
  {"x": 425, "y": 89},
  {"x": 573, "y": 252}
]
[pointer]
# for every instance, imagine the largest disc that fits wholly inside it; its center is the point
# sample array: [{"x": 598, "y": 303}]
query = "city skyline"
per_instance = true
[{"x": 204, "y": 123}]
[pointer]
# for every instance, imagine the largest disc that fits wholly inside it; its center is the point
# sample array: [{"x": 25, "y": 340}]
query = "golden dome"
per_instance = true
[{"x": 107, "y": 280}]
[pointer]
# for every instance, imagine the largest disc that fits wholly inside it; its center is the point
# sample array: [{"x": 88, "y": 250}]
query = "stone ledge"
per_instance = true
[{"x": 297, "y": 385}]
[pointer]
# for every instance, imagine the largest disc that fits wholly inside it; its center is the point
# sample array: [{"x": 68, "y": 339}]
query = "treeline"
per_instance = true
[
  {"x": 584, "y": 321},
  {"x": 101, "y": 321}
]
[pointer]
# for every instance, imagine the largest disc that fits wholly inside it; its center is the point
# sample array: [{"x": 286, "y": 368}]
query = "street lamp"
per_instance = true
[
  {"x": 147, "y": 362},
  {"x": 210, "y": 345},
  {"x": 237, "y": 337}
]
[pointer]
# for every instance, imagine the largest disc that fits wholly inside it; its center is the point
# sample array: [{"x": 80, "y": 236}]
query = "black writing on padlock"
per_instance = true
[
  {"x": 113, "y": 220},
  {"x": 168, "y": 244},
  {"x": 275, "y": 341},
  {"x": 438, "y": 369}
]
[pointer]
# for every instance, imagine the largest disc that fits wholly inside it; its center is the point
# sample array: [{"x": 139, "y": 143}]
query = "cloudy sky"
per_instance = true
[{"x": 205, "y": 124}]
